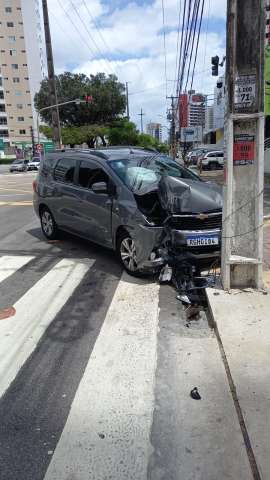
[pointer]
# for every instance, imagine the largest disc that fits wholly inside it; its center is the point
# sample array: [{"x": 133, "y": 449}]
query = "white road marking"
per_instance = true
[
  {"x": 10, "y": 264},
  {"x": 14, "y": 195},
  {"x": 20, "y": 334},
  {"x": 107, "y": 431}
]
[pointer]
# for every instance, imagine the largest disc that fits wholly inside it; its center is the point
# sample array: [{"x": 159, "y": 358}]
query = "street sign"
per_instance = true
[
  {"x": 243, "y": 149},
  {"x": 191, "y": 134},
  {"x": 244, "y": 92}
]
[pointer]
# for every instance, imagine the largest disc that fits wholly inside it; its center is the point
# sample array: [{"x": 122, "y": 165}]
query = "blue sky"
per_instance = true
[{"x": 129, "y": 43}]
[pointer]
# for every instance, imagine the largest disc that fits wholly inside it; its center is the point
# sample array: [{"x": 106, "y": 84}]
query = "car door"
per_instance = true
[
  {"x": 64, "y": 201},
  {"x": 94, "y": 219}
]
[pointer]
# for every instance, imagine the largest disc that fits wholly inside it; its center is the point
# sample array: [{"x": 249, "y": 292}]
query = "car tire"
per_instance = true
[
  {"x": 126, "y": 252},
  {"x": 213, "y": 166},
  {"x": 48, "y": 224}
]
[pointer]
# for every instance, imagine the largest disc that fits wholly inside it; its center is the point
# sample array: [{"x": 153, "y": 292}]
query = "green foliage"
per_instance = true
[
  {"x": 123, "y": 132},
  {"x": 109, "y": 100},
  {"x": 120, "y": 132}
]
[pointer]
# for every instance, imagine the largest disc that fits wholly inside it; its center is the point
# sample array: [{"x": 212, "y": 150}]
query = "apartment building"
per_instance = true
[
  {"x": 155, "y": 130},
  {"x": 23, "y": 66}
]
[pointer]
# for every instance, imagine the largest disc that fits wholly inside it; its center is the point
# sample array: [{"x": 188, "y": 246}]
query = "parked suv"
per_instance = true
[
  {"x": 138, "y": 203},
  {"x": 211, "y": 160}
]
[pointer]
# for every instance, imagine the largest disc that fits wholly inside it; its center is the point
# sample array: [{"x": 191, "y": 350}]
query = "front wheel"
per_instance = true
[
  {"x": 48, "y": 225},
  {"x": 126, "y": 252}
]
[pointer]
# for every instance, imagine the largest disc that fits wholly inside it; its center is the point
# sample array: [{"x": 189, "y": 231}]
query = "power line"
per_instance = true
[
  {"x": 190, "y": 34},
  {"x": 96, "y": 26},
  {"x": 196, "y": 8},
  {"x": 178, "y": 42},
  {"x": 164, "y": 46},
  {"x": 102, "y": 36},
  {"x": 181, "y": 45},
  {"x": 90, "y": 35},
  {"x": 76, "y": 28},
  {"x": 186, "y": 44},
  {"x": 206, "y": 34},
  {"x": 198, "y": 39}
]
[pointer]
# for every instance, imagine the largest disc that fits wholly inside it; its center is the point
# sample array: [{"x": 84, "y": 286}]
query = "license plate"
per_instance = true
[{"x": 202, "y": 240}]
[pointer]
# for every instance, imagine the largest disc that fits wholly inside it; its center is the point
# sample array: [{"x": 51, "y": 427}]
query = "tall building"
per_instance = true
[
  {"x": 196, "y": 109},
  {"x": 23, "y": 67},
  {"x": 192, "y": 109},
  {"x": 209, "y": 118},
  {"x": 219, "y": 103},
  {"x": 155, "y": 130}
]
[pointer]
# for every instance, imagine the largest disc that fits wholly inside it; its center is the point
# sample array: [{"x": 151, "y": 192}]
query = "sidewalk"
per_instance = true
[
  {"x": 267, "y": 254},
  {"x": 241, "y": 319}
]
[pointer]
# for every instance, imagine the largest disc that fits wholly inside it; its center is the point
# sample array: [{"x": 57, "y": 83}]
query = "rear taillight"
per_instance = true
[{"x": 35, "y": 186}]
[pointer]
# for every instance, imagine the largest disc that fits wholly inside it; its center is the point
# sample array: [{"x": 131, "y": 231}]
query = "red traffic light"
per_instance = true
[{"x": 88, "y": 98}]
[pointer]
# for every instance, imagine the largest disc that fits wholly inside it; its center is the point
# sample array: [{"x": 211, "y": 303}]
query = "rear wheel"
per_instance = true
[{"x": 48, "y": 225}]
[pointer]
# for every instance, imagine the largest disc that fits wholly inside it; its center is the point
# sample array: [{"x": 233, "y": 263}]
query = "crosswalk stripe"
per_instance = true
[
  {"x": 34, "y": 313},
  {"x": 10, "y": 264},
  {"x": 107, "y": 432}
]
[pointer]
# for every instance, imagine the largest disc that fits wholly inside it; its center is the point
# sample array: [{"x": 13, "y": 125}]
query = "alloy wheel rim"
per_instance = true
[
  {"x": 47, "y": 223},
  {"x": 128, "y": 254}
]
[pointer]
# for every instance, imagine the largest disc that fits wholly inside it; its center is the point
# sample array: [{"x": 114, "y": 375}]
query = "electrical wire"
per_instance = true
[
  {"x": 197, "y": 46},
  {"x": 190, "y": 32},
  {"x": 90, "y": 35},
  {"x": 206, "y": 34},
  {"x": 96, "y": 26},
  {"x": 181, "y": 46},
  {"x": 193, "y": 40},
  {"x": 178, "y": 43},
  {"x": 164, "y": 47},
  {"x": 76, "y": 28}
]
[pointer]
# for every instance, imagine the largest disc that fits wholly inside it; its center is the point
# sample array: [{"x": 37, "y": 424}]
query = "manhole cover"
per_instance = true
[{"x": 7, "y": 313}]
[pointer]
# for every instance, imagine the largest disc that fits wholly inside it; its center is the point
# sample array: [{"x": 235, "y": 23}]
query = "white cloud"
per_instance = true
[{"x": 135, "y": 51}]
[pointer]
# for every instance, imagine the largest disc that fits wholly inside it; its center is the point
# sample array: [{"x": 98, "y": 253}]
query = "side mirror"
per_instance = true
[{"x": 100, "y": 187}]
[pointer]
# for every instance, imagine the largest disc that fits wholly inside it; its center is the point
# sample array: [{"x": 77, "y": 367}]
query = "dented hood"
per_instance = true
[{"x": 178, "y": 195}]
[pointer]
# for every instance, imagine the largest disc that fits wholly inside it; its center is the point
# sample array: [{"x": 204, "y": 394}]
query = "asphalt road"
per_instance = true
[{"x": 96, "y": 367}]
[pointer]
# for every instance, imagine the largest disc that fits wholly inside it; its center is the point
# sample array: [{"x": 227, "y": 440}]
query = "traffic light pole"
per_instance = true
[
  {"x": 242, "y": 236},
  {"x": 57, "y": 105}
]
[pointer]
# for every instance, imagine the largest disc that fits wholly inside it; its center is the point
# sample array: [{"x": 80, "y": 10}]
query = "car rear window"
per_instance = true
[{"x": 64, "y": 170}]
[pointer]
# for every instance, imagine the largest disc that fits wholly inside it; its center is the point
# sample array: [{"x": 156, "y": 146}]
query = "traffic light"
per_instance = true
[
  {"x": 215, "y": 64},
  {"x": 86, "y": 98}
]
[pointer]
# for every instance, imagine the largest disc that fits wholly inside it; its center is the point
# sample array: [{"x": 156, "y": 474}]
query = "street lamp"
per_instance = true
[{"x": 77, "y": 101}]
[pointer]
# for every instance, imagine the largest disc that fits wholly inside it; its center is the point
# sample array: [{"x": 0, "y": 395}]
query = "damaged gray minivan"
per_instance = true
[{"x": 140, "y": 203}]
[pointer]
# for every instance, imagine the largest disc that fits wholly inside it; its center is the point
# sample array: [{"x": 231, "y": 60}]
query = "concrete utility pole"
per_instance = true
[
  {"x": 173, "y": 139},
  {"x": 141, "y": 115},
  {"x": 128, "y": 117},
  {"x": 242, "y": 237},
  {"x": 32, "y": 140},
  {"x": 51, "y": 77}
]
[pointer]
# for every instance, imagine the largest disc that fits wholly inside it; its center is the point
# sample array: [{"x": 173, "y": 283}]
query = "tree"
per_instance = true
[
  {"x": 109, "y": 100},
  {"x": 123, "y": 132},
  {"x": 78, "y": 135}
]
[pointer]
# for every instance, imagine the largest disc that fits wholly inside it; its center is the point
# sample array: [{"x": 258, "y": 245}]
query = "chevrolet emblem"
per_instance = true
[{"x": 202, "y": 216}]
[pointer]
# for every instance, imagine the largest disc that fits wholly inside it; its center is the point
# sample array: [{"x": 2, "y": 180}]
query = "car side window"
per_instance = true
[
  {"x": 89, "y": 174},
  {"x": 64, "y": 170},
  {"x": 221, "y": 155}
]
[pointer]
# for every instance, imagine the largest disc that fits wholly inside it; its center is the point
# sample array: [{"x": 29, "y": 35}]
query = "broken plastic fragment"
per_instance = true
[
  {"x": 165, "y": 274},
  {"x": 195, "y": 394},
  {"x": 184, "y": 299}
]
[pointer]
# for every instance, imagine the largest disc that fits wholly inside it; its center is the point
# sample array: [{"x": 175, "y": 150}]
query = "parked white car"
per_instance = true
[
  {"x": 211, "y": 160},
  {"x": 34, "y": 164}
]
